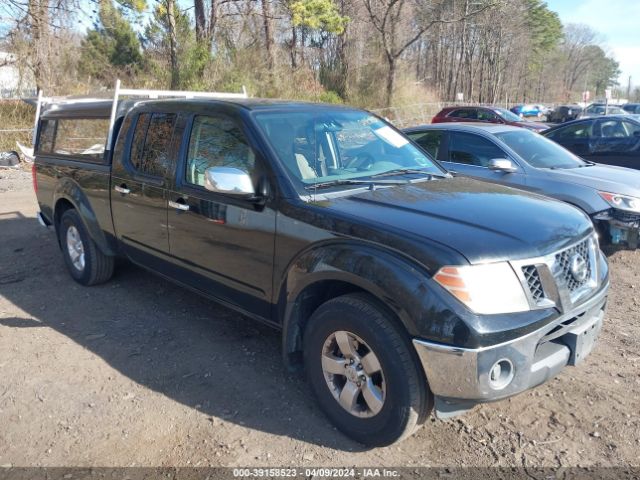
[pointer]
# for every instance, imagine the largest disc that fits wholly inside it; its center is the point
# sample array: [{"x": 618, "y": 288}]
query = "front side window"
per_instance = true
[
  {"x": 152, "y": 142},
  {"x": 617, "y": 129},
  {"x": 431, "y": 141},
  {"x": 83, "y": 137},
  {"x": 335, "y": 144},
  {"x": 507, "y": 115},
  {"x": 471, "y": 149},
  {"x": 486, "y": 115},
  {"x": 572, "y": 132},
  {"x": 217, "y": 142},
  {"x": 538, "y": 151}
]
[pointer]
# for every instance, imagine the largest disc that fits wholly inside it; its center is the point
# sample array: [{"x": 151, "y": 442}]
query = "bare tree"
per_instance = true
[
  {"x": 173, "y": 43},
  {"x": 401, "y": 23}
]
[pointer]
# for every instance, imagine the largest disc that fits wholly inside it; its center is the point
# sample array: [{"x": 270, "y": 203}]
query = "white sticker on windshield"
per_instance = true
[{"x": 390, "y": 136}]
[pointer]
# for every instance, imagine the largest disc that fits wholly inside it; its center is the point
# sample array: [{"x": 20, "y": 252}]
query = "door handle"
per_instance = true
[
  {"x": 122, "y": 189},
  {"x": 178, "y": 205}
]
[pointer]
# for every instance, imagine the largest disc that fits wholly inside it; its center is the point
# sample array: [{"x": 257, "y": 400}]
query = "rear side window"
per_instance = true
[
  {"x": 431, "y": 141},
  {"x": 472, "y": 150},
  {"x": 84, "y": 137},
  {"x": 151, "y": 143}
]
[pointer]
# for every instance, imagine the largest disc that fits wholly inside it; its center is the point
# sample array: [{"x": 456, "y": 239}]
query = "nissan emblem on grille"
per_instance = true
[
  {"x": 574, "y": 266},
  {"x": 579, "y": 268}
]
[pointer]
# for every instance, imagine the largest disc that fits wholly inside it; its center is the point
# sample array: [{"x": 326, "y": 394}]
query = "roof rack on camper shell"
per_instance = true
[{"x": 131, "y": 92}]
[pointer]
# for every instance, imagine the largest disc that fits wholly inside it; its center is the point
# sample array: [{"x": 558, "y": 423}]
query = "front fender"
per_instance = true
[
  {"x": 584, "y": 197},
  {"x": 71, "y": 191},
  {"x": 403, "y": 286}
]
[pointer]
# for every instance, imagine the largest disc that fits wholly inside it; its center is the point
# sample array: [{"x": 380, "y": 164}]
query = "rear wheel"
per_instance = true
[
  {"x": 85, "y": 262},
  {"x": 363, "y": 371}
]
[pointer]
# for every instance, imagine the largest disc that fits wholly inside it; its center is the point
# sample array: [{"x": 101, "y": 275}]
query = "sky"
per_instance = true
[{"x": 618, "y": 21}]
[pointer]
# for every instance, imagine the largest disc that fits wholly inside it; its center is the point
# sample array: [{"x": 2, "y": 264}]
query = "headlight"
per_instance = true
[
  {"x": 485, "y": 289},
  {"x": 622, "y": 202}
]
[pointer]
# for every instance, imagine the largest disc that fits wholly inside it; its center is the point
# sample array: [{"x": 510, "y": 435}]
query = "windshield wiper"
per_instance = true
[
  {"x": 333, "y": 183},
  {"x": 401, "y": 171}
]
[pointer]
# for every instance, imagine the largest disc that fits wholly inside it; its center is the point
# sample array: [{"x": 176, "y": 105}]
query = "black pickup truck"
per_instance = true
[{"x": 399, "y": 288}]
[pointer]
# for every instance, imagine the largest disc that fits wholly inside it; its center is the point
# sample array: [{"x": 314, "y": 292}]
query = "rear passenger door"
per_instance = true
[
  {"x": 222, "y": 244},
  {"x": 470, "y": 154},
  {"x": 142, "y": 163}
]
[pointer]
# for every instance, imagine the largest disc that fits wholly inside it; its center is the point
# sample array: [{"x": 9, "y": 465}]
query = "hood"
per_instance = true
[
  {"x": 605, "y": 178},
  {"x": 532, "y": 125},
  {"x": 481, "y": 221}
]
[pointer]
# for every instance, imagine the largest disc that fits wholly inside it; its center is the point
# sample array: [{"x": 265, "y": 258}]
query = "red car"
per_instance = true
[{"x": 485, "y": 114}]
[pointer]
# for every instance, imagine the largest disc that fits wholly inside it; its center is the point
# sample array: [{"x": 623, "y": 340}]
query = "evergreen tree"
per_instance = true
[{"x": 112, "y": 47}]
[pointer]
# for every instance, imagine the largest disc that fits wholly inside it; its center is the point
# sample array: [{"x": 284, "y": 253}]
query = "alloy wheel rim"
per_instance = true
[
  {"x": 75, "y": 247},
  {"x": 353, "y": 374}
]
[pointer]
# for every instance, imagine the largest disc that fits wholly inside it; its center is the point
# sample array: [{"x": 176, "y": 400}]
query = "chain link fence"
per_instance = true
[{"x": 422, "y": 113}]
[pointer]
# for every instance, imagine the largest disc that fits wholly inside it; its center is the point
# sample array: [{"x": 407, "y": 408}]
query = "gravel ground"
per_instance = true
[{"x": 141, "y": 372}]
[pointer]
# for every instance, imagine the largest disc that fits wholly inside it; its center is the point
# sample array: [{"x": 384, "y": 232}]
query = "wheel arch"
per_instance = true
[
  {"x": 330, "y": 271},
  {"x": 69, "y": 195}
]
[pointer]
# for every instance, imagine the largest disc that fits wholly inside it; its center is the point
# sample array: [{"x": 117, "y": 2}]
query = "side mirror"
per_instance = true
[
  {"x": 502, "y": 165},
  {"x": 229, "y": 180}
]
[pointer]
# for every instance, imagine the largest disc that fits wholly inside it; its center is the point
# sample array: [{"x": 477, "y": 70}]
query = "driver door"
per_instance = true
[
  {"x": 615, "y": 142},
  {"x": 223, "y": 245}
]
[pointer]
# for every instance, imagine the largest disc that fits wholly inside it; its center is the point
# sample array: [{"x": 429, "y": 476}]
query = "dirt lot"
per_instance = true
[{"x": 141, "y": 372}]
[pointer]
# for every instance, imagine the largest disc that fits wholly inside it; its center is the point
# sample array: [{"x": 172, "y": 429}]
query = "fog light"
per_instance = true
[{"x": 501, "y": 374}]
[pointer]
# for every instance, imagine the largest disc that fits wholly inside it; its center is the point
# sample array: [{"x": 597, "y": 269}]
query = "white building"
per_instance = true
[{"x": 13, "y": 81}]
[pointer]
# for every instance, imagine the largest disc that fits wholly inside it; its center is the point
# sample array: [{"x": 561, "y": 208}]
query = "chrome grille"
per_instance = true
[
  {"x": 626, "y": 217},
  {"x": 548, "y": 281},
  {"x": 563, "y": 260},
  {"x": 534, "y": 283}
]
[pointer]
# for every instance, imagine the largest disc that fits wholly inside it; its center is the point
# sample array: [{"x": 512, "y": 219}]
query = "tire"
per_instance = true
[
  {"x": 88, "y": 266},
  {"x": 400, "y": 382}
]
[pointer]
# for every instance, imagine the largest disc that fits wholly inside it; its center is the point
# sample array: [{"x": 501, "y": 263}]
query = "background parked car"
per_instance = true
[
  {"x": 530, "y": 110},
  {"x": 485, "y": 114},
  {"x": 522, "y": 159},
  {"x": 564, "y": 113},
  {"x": 598, "y": 109},
  {"x": 631, "y": 107},
  {"x": 612, "y": 140}
]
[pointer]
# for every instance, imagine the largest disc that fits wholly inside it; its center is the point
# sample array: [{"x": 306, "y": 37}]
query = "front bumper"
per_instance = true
[
  {"x": 624, "y": 227},
  {"x": 460, "y": 378}
]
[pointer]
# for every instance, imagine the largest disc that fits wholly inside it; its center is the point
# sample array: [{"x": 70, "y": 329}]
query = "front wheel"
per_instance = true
[
  {"x": 85, "y": 262},
  {"x": 363, "y": 371}
]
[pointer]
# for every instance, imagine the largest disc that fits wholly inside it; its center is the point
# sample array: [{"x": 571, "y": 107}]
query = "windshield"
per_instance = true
[
  {"x": 507, "y": 115},
  {"x": 327, "y": 145},
  {"x": 538, "y": 151}
]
